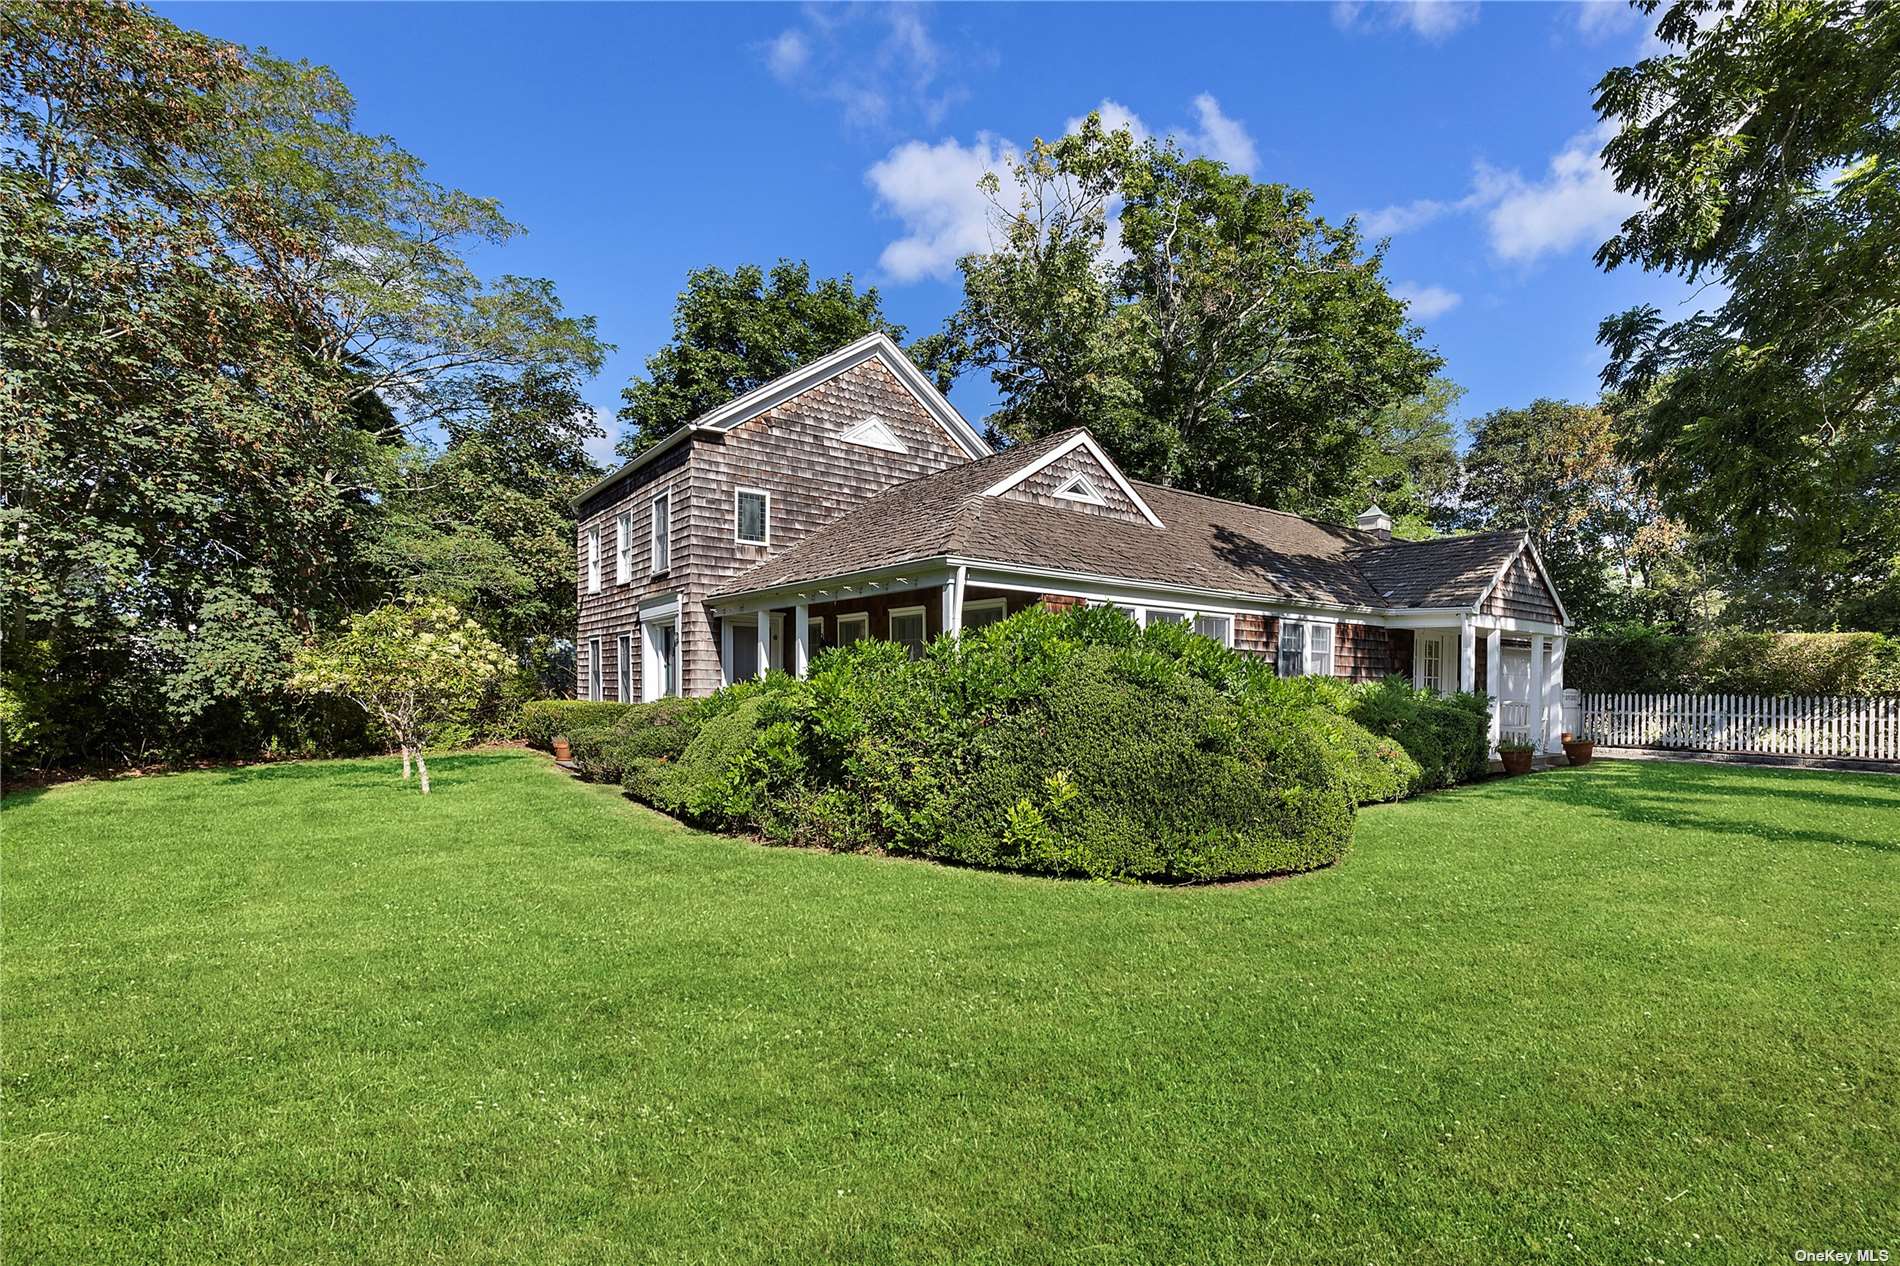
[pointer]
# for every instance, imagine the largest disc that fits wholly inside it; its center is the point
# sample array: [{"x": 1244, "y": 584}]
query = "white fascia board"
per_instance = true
[
  {"x": 1538, "y": 559},
  {"x": 660, "y": 606},
  {"x": 992, "y": 575},
  {"x": 1510, "y": 624},
  {"x": 607, "y": 480},
  {"x": 922, "y": 572},
  {"x": 1523, "y": 546},
  {"x": 1082, "y": 440}
]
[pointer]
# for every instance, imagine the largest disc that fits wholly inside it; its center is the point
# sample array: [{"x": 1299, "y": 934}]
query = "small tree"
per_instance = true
[{"x": 412, "y": 665}]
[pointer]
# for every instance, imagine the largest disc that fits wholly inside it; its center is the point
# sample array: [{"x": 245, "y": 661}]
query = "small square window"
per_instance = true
[{"x": 752, "y": 517}]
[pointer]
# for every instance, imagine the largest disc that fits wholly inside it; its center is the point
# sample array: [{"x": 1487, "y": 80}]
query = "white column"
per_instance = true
[
  {"x": 953, "y": 602},
  {"x": 1539, "y": 733},
  {"x": 1493, "y": 674},
  {"x": 1467, "y": 655},
  {"x": 801, "y": 642},
  {"x": 765, "y": 642},
  {"x": 1554, "y": 695}
]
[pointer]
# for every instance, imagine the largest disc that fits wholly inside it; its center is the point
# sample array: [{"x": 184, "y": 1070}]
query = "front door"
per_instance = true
[
  {"x": 1514, "y": 691},
  {"x": 743, "y": 662}
]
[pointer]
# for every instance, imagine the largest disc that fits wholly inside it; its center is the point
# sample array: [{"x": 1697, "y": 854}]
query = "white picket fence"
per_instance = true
[{"x": 1834, "y": 727}]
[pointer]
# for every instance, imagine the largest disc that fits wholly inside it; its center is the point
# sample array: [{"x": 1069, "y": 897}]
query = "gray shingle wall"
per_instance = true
[{"x": 1521, "y": 594}]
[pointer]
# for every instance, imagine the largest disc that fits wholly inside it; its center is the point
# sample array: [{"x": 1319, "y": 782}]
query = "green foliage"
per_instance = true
[
  {"x": 733, "y": 331},
  {"x": 1765, "y": 147},
  {"x": 543, "y": 719},
  {"x": 1638, "y": 658},
  {"x": 1243, "y": 348},
  {"x": 1447, "y": 736}
]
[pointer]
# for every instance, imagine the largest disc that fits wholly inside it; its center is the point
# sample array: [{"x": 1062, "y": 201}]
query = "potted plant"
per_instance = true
[
  {"x": 1516, "y": 755},
  {"x": 1578, "y": 751},
  {"x": 561, "y": 749}
]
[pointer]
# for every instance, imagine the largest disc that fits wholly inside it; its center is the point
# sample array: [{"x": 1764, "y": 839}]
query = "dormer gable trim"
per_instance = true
[
  {"x": 875, "y": 433},
  {"x": 1080, "y": 488},
  {"x": 1525, "y": 547},
  {"x": 1086, "y": 442}
]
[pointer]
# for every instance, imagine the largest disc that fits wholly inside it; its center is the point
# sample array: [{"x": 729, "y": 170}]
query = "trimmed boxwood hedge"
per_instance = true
[
  {"x": 1061, "y": 743},
  {"x": 543, "y": 719},
  {"x": 1638, "y": 658}
]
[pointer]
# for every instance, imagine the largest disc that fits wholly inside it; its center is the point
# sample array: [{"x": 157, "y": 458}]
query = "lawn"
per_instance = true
[{"x": 300, "y": 1014}]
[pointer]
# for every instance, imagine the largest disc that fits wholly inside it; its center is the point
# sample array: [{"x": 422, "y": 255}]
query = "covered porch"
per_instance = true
[{"x": 1518, "y": 664}]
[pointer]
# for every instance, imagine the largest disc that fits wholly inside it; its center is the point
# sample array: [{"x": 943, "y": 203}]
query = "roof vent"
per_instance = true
[{"x": 1377, "y": 522}]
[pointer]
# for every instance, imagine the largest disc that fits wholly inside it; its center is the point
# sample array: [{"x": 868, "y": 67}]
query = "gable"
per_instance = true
[
  {"x": 1077, "y": 481},
  {"x": 1521, "y": 593}
]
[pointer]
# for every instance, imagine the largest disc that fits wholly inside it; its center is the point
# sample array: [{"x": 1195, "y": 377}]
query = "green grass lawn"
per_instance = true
[{"x": 300, "y": 1014}]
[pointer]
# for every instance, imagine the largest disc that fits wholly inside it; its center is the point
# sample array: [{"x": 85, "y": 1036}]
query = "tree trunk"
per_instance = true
[
  {"x": 422, "y": 766},
  {"x": 405, "y": 762}
]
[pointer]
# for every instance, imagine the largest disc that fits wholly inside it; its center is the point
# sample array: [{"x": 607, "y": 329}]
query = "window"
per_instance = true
[
  {"x": 853, "y": 628},
  {"x": 623, "y": 667},
  {"x": 1431, "y": 663},
  {"x": 751, "y": 516},
  {"x": 593, "y": 559},
  {"x": 623, "y": 549},
  {"x": 814, "y": 634},
  {"x": 907, "y": 629},
  {"x": 875, "y": 433},
  {"x": 1166, "y": 617},
  {"x": 1078, "y": 488},
  {"x": 986, "y": 611},
  {"x": 593, "y": 665},
  {"x": 1218, "y": 627},
  {"x": 660, "y": 544},
  {"x": 1133, "y": 613},
  {"x": 1305, "y": 649}
]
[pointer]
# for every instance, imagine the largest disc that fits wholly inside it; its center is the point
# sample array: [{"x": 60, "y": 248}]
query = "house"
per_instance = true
[{"x": 849, "y": 499}]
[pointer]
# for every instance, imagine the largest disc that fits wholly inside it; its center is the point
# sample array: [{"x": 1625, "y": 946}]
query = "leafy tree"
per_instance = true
[
  {"x": 733, "y": 331},
  {"x": 1222, "y": 339},
  {"x": 1552, "y": 470},
  {"x": 1765, "y": 143},
  {"x": 1409, "y": 465},
  {"x": 415, "y": 666}
]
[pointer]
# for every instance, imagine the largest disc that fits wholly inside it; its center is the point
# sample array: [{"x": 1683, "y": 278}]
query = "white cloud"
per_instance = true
[
  {"x": 1431, "y": 20},
  {"x": 1575, "y": 203},
  {"x": 787, "y": 55},
  {"x": 601, "y": 447},
  {"x": 1222, "y": 138},
  {"x": 1597, "y": 19},
  {"x": 1116, "y": 117},
  {"x": 932, "y": 190},
  {"x": 1426, "y": 302}
]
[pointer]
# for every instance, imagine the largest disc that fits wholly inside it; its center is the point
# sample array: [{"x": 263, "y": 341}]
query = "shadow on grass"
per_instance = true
[
  {"x": 366, "y": 771},
  {"x": 1712, "y": 799}
]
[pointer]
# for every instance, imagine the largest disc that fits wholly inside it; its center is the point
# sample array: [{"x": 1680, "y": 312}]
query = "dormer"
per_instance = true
[{"x": 1077, "y": 475}]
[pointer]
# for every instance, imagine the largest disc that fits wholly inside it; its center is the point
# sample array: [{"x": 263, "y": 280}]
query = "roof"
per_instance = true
[
  {"x": 1203, "y": 543},
  {"x": 769, "y": 395}
]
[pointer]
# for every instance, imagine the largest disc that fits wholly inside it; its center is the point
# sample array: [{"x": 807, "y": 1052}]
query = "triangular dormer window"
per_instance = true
[
  {"x": 1078, "y": 488},
  {"x": 875, "y": 433}
]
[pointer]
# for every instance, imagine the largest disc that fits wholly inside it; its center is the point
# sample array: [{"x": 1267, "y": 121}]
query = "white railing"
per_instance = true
[{"x": 1831, "y": 726}]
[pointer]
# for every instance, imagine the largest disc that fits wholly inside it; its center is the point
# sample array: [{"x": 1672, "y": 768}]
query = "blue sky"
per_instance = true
[{"x": 636, "y": 142}]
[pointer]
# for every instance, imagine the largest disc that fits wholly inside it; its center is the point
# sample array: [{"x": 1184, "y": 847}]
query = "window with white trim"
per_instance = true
[
  {"x": 623, "y": 668},
  {"x": 1133, "y": 613},
  {"x": 623, "y": 549},
  {"x": 1157, "y": 615},
  {"x": 853, "y": 628},
  {"x": 1218, "y": 627},
  {"x": 983, "y": 611},
  {"x": 593, "y": 559},
  {"x": 1431, "y": 663},
  {"x": 751, "y": 516},
  {"x": 1306, "y": 649},
  {"x": 659, "y": 543},
  {"x": 814, "y": 634},
  {"x": 593, "y": 666},
  {"x": 1080, "y": 488},
  {"x": 907, "y": 629}
]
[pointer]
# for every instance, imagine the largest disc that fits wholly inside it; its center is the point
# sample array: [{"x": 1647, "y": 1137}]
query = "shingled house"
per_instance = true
[{"x": 849, "y": 499}]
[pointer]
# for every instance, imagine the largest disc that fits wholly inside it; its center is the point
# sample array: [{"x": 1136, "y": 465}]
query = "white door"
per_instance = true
[{"x": 1514, "y": 691}]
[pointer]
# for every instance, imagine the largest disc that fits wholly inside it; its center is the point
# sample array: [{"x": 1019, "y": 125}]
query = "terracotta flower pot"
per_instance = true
[
  {"x": 561, "y": 750},
  {"x": 1579, "y": 751},
  {"x": 1516, "y": 763}
]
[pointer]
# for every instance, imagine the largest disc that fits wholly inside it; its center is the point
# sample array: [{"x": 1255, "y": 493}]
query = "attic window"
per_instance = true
[
  {"x": 875, "y": 433},
  {"x": 1078, "y": 488}
]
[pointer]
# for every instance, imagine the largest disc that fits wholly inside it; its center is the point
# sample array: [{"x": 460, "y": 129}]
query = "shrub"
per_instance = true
[
  {"x": 543, "y": 719},
  {"x": 1637, "y": 658},
  {"x": 1448, "y": 736}
]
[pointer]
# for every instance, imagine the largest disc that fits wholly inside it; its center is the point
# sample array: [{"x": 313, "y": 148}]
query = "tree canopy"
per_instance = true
[
  {"x": 1765, "y": 142},
  {"x": 1211, "y": 331}
]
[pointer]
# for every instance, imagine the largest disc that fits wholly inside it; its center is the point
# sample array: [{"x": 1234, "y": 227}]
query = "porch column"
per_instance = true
[
  {"x": 953, "y": 603},
  {"x": 801, "y": 643},
  {"x": 1539, "y": 733},
  {"x": 1467, "y": 655},
  {"x": 1493, "y": 678},
  {"x": 1554, "y": 695},
  {"x": 765, "y": 642}
]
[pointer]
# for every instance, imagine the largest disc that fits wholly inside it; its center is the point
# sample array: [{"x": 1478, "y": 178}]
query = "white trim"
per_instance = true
[
  {"x": 861, "y": 619},
  {"x": 623, "y": 548},
  {"x": 1078, "y": 488},
  {"x": 1226, "y": 619},
  {"x": 660, "y": 606},
  {"x": 654, "y": 519},
  {"x": 596, "y": 679},
  {"x": 663, "y": 616},
  {"x": 623, "y": 684},
  {"x": 801, "y": 639},
  {"x": 1082, "y": 439},
  {"x": 757, "y": 492},
  {"x": 875, "y": 432},
  {"x": 593, "y": 559},
  {"x": 1000, "y": 605},
  {"x": 1307, "y": 625},
  {"x": 923, "y": 621}
]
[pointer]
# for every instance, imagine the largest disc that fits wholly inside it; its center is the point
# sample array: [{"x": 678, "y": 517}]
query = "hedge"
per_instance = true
[
  {"x": 543, "y": 719},
  {"x": 1061, "y": 743},
  {"x": 1636, "y": 658}
]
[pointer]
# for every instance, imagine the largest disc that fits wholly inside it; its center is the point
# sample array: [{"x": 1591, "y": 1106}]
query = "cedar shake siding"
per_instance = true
[
  {"x": 1041, "y": 489},
  {"x": 1521, "y": 593},
  {"x": 616, "y": 608}
]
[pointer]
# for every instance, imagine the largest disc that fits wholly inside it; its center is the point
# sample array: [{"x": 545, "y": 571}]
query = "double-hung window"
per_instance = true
[
  {"x": 623, "y": 668},
  {"x": 907, "y": 630},
  {"x": 1218, "y": 627},
  {"x": 593, "y": 667},
  {"x": 853, "y": 628},
  {"x": 1306, "y": 649},
  {"x": 623, "y": 549},
  {"x": 593, "y": 559},
  {"x": 752, "y": 516},
  {"x": 659, "y": 543},
  {"x": 1431, "y": 663}
]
